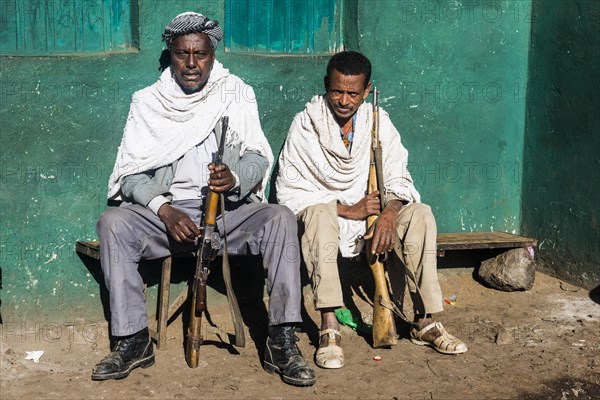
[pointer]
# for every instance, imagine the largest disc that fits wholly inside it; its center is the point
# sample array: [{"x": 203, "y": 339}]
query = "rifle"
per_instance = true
[
  {"x": 208, "y": 249},
  {"x": 384, "y": 326}
]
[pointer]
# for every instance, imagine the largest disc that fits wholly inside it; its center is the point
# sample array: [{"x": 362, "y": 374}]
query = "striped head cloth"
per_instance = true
[{"x": 191, "y": 22}]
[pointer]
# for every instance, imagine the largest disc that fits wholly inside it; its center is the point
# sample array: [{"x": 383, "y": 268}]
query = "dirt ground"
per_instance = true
[{"x": 540, "y": 344}]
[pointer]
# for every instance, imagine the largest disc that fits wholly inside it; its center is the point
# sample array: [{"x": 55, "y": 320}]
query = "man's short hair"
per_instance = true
[
  {"x": 350, "y": 63},
  {"x": 191, "y": 22}
]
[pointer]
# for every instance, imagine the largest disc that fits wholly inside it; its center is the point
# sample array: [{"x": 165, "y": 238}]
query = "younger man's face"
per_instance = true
[{"x": 345, "y": 93}]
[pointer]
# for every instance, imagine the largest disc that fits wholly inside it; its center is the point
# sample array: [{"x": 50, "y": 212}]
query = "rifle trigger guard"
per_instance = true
[{"x": 202, "y": 275}]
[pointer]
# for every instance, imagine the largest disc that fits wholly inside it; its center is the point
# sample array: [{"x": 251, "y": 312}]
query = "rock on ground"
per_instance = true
[{"x": 510, "y": 271}]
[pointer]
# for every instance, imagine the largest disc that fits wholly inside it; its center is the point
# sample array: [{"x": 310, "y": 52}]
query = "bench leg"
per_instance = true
[{"x": 163, "y": 304}]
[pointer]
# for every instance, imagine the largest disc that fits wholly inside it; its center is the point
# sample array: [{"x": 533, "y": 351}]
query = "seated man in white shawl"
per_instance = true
[
  {"x": 162, "y": 172},
  {"x": 323, "y": 174}
]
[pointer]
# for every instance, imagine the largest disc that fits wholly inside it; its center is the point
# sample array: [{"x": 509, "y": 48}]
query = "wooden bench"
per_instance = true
[
  {"x": 445, "y": 241},
  {"x": 165, "y": 309},
  {"x": 481, "y": 240}
]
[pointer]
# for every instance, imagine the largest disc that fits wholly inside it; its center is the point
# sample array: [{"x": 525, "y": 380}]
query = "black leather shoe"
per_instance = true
[
  {"x": 283, "y": 356},
  {"x": 129, "y": 353}
]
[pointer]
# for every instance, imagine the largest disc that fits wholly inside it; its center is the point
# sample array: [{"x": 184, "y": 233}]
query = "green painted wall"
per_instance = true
[
  {"x": 452, "y": 76},
  {"x": 61, "y": 121},
  {"x": 561, "y": 186}
]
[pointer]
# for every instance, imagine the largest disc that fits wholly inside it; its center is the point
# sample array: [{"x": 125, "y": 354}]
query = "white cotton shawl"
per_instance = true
[
  {"x": 316, "y": 168},
  {"x": 164, "y": 123}
]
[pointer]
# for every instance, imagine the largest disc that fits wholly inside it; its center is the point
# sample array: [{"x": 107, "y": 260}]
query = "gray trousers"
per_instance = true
[{"x": 132, "y": 233}]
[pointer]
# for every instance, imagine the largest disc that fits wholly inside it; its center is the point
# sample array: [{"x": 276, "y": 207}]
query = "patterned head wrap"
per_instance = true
[{"x": 191, "y": 22}]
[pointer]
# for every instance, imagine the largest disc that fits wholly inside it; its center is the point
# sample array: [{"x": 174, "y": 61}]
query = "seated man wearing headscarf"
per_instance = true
[{"x": 162, "y": 174}]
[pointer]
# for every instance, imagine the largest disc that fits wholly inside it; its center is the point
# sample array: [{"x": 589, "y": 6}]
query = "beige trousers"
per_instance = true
[{"x": 415, "y": 248}]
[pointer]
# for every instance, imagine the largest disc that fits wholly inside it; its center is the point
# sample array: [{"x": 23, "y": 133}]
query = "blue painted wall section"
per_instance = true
[
  {"x": 453, "y": 76},
  {"x": 34, "y": 27},
  {"x": 282, "y": 26}
]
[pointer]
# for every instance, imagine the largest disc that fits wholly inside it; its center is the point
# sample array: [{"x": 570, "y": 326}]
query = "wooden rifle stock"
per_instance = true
[
  {"x": 384, "y": 326},
  {"x": 204, "y": 258},
  {"x": 209, "y": 245}
]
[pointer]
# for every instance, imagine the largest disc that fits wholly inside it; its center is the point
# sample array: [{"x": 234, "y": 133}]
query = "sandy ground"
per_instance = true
[{"x": 541, "y": 344}]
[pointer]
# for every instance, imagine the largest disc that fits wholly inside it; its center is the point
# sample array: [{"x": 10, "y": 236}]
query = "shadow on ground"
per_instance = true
[
  {"x": 595, "y": 295},
  {"x": 566, "y": 388}
]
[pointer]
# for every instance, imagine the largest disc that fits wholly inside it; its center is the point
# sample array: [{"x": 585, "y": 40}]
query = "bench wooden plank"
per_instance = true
[
  {"x": 445, "y": 241},
  {"x": 482, "y": 240},
  {"x": 90, "y": 248}
]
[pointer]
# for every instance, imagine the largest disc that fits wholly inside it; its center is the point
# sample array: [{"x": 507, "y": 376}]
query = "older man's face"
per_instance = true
[{"x": 192, "y": 59}]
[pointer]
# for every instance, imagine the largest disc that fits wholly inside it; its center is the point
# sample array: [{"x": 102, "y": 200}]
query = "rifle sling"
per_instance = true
[{"x": 234, "y": 308}]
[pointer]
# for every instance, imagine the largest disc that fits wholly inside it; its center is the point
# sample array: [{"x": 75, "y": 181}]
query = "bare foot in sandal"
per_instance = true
[{"x": 329, "y": 354}]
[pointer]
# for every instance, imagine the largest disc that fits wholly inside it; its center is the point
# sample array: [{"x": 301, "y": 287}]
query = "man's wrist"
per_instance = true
[
  {"x": 394, "y": 205},
  {"x": 162, "y": 209},
  {"x": 342, "y": 209},
  {"x": 236, "y": 187}
]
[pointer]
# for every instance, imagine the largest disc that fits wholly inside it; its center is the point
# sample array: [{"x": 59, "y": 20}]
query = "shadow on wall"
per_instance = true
[
  {"x": 164, "y": 60},
  {"x": 272, "y": 197},
  {"x": 595, "y": 294}
]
